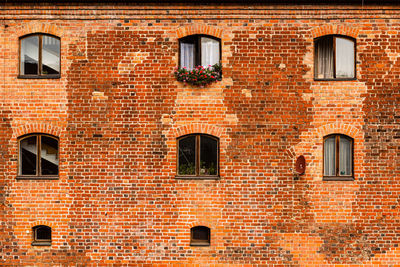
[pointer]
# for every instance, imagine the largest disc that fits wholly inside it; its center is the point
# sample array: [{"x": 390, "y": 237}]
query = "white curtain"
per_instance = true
[
  {"x": 209, "y": 51},
  {"x": 345, "y": 156},
  {"x": 325, "y": 58},
  {"x": 51, "y": 54},
  {"x": 187, "y": 55},
  {"x": 344, "y": 58},
  {"x": 329, "y": 157}
]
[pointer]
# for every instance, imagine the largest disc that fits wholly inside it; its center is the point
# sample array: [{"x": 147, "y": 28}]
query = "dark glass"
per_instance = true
[
  {"x": 200, "y": 235},
  {"x": 49, "y": 156},
  {"x": 42, "y": 233},
  {"x": 30, "y": 55},
  {"x": 187, "y": 156},
  {"x": 28, "y": 156},
  {"x": 208, "y": 156}
]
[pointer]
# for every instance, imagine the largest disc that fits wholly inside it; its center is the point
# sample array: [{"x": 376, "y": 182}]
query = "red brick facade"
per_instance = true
[{"x": 118, "y": 111}]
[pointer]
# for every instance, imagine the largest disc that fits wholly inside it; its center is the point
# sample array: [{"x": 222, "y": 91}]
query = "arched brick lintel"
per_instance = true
[
  {"x": 198, "y": 128},
  {"x": 335, "y": 29},
  {"x": 39, "y": 27},
  {"x": 37, "y": 128},
  {"x": 199, "y": 29}
]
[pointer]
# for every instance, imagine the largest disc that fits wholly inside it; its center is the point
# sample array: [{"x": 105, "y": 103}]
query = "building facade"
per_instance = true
[{"x": 290, "y": 158}]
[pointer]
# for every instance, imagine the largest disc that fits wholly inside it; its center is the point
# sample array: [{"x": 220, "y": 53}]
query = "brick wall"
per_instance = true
[{"x": 118, "y": 110}]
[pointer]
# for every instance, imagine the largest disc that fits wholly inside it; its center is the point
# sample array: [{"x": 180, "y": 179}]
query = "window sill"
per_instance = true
[
  {"x": 42, "y": 244},
  {"x": 57, "y": 76},
  {"x": 183, "y": 177},
  {"x": 27, "y": 177},
  {"x": 336, "y": 80},
  {"x": 200, "y": 244},
  {"x": 338, "y": 178}
]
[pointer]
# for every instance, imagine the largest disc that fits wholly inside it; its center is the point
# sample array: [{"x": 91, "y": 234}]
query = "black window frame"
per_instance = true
[
  {"x": 197, "y": 41},
  {"x": 333, "y": 36},
  {"x": 197, "y": 158},
  {"x": 200, "y": 242},
  {"x": 337, "y": 176},
  {"x": 38, "y": 174},
  {"x": 40, "y": 47},
  {"x": 41, "y": 242}
]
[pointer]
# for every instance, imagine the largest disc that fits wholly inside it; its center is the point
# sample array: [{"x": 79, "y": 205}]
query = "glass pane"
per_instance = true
[
  {"x": 329, "y": 156},
  {"x": 344, "y": 58},
  {"x": 325, "y": 58},
  {"x": 43, "y": 233},
  {"x": 49, "y": 156},
  {"x": 200, "y": 233},
  {"x": 28, "y": 156},
  {"x": 30, "y": 55},
  {"x": 50, "y": 55},
  {"x": 208, "y": 156},
  {"x": 187, "y": 156},
  {"x": 187, "y": 55},
  {"x": 209, "y": 51},
  {"x": 345, "y": 156}
]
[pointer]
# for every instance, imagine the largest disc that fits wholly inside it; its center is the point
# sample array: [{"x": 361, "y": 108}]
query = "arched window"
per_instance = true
[
  {"x": 338, "y": 157},
  {"x": 335, "y": 57},
  {"x": 198, "y": 156},
  {"x": 38, "y": 156},
  {"x": 198, "y": 50},
  {"x": 200, "y": 236},
  {"x": 39, "y": 56},
  {"x": 41, "y": 235}
]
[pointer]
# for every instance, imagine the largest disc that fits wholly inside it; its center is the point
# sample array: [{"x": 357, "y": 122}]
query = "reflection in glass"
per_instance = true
[
  {"x": 28, "y": 156},
  {"x": 30, "y": 55},
  {"x": 208, "y": 156},
  {"x": 50, "y": 55},
  {"x": 49, "y": 156},
  {"x": 187, "y": 156}
]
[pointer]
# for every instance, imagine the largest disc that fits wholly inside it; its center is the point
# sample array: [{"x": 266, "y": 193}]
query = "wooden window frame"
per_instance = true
[
  {"x": 200, "y": 242},
  {"x": 338, "y": 177},
  {"x": 333, "y": 37},
  {"x": 197, "y": 158},
  {"x": 41, "y": 242},
  {"x": 38, "y": 174},
  {"x": 39, "y": 75},
  {"x": 197, "y": 42}
]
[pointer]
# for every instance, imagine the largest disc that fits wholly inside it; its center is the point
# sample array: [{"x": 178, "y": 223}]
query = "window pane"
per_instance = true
[
  {"x": 345, "y": 156},
  {"x": 43, "y": 233},
  {"x": 209, "y": 51},
  {"x": 325, "y": 58},
  {"x": 30, "y": 55},
  {"x": 187, "y": 55},
  {"x": 50, "y": 55},
  {"x": 344, "y": 58},
  {"x": 200, "y": 233},
  {"x": 329, "y": 156},
  {"x": 208, "y": 156},
  {"x": 49, "y": 156},
  {"x": 28, "y": 156},
  {"x": 187, "y": 156}
]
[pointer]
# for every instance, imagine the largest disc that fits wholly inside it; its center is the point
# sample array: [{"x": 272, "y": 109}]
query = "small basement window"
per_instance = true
[
  {"x": 200, "y": 236},
  {"x": 39, "y": 56},
  {"x": 335, "y": 58},
  {"x": 41, "y": 235}
]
